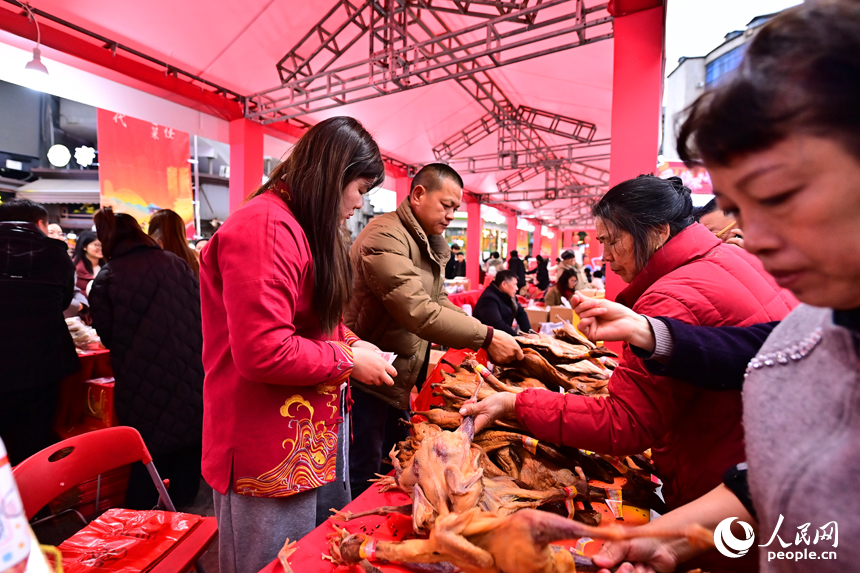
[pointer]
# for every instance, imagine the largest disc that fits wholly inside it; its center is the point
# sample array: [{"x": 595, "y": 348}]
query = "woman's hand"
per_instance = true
[
  {"x": 735, "y": 237},
  {"x": 365, "y": 344},
  {"x": 601, "y": 319},
  {"x": 490, "y": 409},
  {"x": 370, "y": 368},
  {"x": 650, "y": 555}
]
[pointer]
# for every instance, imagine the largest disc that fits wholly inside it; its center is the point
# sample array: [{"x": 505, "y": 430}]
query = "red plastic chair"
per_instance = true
[{"x": 59, "y": 468}]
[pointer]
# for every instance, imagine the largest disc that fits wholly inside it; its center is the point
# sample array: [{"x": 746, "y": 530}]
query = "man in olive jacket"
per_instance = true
[{"x": 400, "y": 305}]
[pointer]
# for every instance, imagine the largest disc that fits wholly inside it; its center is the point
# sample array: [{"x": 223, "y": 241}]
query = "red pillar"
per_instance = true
[
  {"x": 553, "y": 252},
  {"x": 474, "y": 228},
  {"x": 246, "y": 160},
  {"x": 567, "y": 239},
  {"x": 512, "y": 232},
  {"x": 537, "y": 238},
  {"x": 401, "y": 188},
  {"x": 637, "y": 88}
]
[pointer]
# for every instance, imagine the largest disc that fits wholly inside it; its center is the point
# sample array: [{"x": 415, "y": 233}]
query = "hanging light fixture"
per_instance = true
[{"x": 35, "y": 65}]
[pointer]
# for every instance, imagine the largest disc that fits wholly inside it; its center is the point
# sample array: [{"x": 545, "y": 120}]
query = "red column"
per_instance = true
[
  {"x": 512, "y": 232},
  {"x": 474, "y": 228},
  {"x": 553, "y": 252},
  {"x": 637, "y": 89},
  {"x": 567, "y": 239},
  {"x": 401, "y": 188},
  {"x": 246, "y": 160},
  {"x": 537, "y": 238}
]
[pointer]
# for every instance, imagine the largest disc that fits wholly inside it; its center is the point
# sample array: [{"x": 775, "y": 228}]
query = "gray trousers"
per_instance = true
[{"x": 253, "y": 529}]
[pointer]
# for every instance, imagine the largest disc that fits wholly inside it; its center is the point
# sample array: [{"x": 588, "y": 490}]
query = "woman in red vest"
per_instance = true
[{"x": 273, "y": 283}]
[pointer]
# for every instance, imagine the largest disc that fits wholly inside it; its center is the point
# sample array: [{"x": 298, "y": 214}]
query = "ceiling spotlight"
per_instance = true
[{"x": 35, "y": 65}]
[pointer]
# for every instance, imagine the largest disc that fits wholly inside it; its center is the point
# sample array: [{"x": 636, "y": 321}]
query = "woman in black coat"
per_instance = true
[
  {"x": 541, "y": 273},
  {"x": 145, "y": 305},
  {"x": 515, "y": 264},
  {"x": 498, "y": 306}
]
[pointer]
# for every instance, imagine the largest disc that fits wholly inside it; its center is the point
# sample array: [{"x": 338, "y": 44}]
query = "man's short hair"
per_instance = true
[
  {"x": 455, "y": 247},
  {"x": 433, "y": 175},
  {"x": 461, "y": 254},
  {"x": 567, "y": 255},
  {"x": 23, "y": 210},
  {"x": 707, "y": 209},
  {"x": 504, "y": 275}
]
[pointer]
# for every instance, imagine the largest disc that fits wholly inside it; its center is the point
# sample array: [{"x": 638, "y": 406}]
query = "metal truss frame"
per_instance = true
[{"x": 411, "y": 54}]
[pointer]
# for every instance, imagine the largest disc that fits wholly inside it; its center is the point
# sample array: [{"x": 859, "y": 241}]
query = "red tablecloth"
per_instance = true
[{"x": 308, "y": 556}]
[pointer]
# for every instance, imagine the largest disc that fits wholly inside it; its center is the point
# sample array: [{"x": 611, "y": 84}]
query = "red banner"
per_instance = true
[
  {"x": 697, "y": 178},
  {"x": 143, "y": 167}
]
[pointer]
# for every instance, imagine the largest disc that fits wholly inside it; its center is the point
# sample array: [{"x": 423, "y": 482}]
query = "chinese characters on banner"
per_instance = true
[
  {"x": 697, "y": 179},
  {"x": 143, "y": 167}
]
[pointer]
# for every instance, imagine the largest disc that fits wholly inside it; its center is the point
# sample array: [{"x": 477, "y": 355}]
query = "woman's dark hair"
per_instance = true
[
  {"x": 800, "y": 74},
  {"x": 83, "y": 241},
  {"x": 542, "y": 262},
  {"x": 642, "y": 205},
  {"x": 495, "y": 255},
  {"x": 514, "y": 254},
  {"x": 503, "y": 276},
  {"x": 168, "y": 228},
  {"x": 587, "y": 274},
  {"x": 329, "y": 156},
  {"x": 598, "y": 274},
  {"x": 116, "y": 229},
  {"x": 561, "y": 284}
]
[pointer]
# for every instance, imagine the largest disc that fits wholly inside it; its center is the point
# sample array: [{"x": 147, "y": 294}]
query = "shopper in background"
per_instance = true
[
  {"x": 56, "y": 232},
  {"x": 452, "y": 265},
  {"x": 400, "y": 304},
  {"x": 168, "y": 230},
  {"x": 37, "y": 281},
  {"x": 145, "y": 306},
  {"x": 494, "y": 264},
  {"x": 541, "y": 273},
  {"x": 88, "y": 259},
  {"x": 198, "y": 246},
  {"x": 498, "y": 305},
  {"x": 515, "y": 264},
  {"x": 275, "y": 279},
  {"x": 720, "y": 223},
  {"x": 597, "y": 280},
  {"x": 460, "y": 265},
  {"x": 563, "y": 288},
  {"x": 781, "y": 140},
  {"x": 676, "y": 268}
]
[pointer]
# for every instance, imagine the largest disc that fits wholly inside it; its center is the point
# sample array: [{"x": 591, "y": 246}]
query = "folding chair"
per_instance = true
[{"x": 59, "y": 468}]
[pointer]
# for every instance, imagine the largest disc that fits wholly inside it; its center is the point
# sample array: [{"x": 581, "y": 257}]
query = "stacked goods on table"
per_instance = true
[{"x": 474, "y": 496}]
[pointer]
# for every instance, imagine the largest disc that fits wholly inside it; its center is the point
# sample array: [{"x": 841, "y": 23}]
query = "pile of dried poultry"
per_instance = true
[{"x": 475, "y": 495}]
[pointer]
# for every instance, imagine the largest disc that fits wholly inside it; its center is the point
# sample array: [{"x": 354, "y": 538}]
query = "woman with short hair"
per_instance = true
[{"x": 677, "y": 268}]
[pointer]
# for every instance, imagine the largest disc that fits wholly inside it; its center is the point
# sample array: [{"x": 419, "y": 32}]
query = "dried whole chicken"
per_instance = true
[
  {"x": 476, "y": 541},
  {"x": 560, "y": 349}
]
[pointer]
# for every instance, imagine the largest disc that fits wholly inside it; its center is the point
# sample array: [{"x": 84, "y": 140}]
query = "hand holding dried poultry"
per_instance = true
[{"x": 474, "y": 495}]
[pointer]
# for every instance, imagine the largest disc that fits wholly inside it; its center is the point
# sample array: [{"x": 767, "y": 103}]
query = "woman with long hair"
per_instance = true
[
  {"x": 168, "y": 230},
  {"x": 275, "y": 279},
  {"x": 541, "y": 272},
  {"x": 677, "y": 268},
  {"x": 565, "y": 287},
  {"x": 145, "y": 306},
  {"x": 88, "y": 259}
]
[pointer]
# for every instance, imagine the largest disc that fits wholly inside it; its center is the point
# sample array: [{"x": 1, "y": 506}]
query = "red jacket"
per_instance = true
[
  {"x": 272, "y": 392},
  {"x": 695, "y": 435}
]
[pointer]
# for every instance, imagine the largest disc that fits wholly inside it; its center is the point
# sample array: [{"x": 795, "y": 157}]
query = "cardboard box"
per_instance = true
[
  {"x": 563, "y": 312},
  {"x": 537, "y": 315}
]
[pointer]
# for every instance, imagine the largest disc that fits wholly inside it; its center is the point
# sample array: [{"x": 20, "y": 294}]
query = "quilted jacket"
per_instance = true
[{"x": 145, "y": 305}]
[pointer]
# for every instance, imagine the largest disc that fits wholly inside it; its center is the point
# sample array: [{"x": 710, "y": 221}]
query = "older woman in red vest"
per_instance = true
[{"x": 274, "y": 280}]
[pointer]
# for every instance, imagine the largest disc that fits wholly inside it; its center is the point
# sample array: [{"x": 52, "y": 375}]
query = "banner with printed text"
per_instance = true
[{"x": 143, "y": 167}]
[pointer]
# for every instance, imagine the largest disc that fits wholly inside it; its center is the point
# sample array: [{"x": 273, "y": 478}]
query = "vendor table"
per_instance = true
[{"x": 309, "y": 550}]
